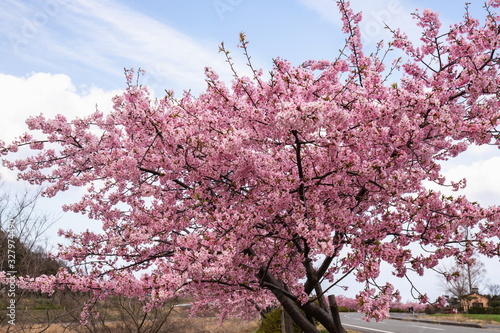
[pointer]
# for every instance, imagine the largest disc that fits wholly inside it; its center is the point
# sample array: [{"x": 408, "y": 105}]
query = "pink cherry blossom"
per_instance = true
[{"x": 264, "y": 191}]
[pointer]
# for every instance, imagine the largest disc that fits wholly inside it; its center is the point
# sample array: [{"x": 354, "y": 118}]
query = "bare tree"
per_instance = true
[
  {"x": 494, "y": 289},
  {"x": 460, "y": 280},
  {"x": 23, "y": 249},
  {"x": 28, "y": 226}
]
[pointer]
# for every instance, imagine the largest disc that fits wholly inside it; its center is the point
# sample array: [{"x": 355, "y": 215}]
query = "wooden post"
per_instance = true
[{"x": 286, "y": 322}]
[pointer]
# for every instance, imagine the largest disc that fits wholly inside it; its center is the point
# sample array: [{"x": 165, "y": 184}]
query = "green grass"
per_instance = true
[
  {"x": 481, "y": 317},
  {"x": 490, "y": 317}
]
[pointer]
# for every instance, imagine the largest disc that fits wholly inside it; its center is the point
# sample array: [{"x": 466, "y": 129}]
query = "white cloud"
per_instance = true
[
  {"x": 89, "y": 36},
  {"x": 480, "y": 166},
  {"x": 483, "y": 179},
  {"x": 48, "y": 94},
  {"x": 108, "y": 31}
]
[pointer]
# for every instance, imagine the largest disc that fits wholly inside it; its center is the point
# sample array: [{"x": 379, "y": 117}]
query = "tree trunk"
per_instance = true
[
  {"x": 288, "y": 305},
  {"x": 300, "y": 313},
  {"x": 293, "y": 311},
  {"x": 334, "y": 309},
  {"x": 286, "y": 322}
]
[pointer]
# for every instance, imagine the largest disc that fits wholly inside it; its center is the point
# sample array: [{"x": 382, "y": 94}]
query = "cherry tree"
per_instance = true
[{"x": 274, "y": 188}]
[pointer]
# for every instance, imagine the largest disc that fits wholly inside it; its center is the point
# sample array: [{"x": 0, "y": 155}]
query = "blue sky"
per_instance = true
[
  {"x": 91, "y": 41},
  {"x": 66, "y": 56}
]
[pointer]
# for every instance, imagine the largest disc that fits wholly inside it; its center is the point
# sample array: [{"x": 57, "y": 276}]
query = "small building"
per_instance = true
[{"x": 473, "y": 300}]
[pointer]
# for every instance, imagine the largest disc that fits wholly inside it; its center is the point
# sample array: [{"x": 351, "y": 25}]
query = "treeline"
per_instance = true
[
  {"x": 28, "y": 261},
  {"x": 488, "y": 310}
]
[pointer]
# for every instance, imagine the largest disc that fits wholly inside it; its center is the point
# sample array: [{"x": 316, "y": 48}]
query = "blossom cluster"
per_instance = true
[{"x": 252, "y": 193}]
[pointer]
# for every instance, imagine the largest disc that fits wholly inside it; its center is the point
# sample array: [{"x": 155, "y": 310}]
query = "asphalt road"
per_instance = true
[{"x": 353, "y": 321}]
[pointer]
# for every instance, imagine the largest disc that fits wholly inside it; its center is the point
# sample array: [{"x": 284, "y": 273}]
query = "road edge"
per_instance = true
[{"x": 439, "y": 322}]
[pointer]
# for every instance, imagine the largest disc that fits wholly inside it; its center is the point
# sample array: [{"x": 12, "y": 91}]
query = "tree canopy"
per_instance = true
[{"x": 271, "y": 188}]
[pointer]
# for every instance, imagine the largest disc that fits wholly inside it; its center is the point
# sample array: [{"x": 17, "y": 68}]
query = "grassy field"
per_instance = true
[
  {"x": 177, "y": 322},
  {"x": 474, "y": 318},
  {"x": 191, "y": 325}
]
